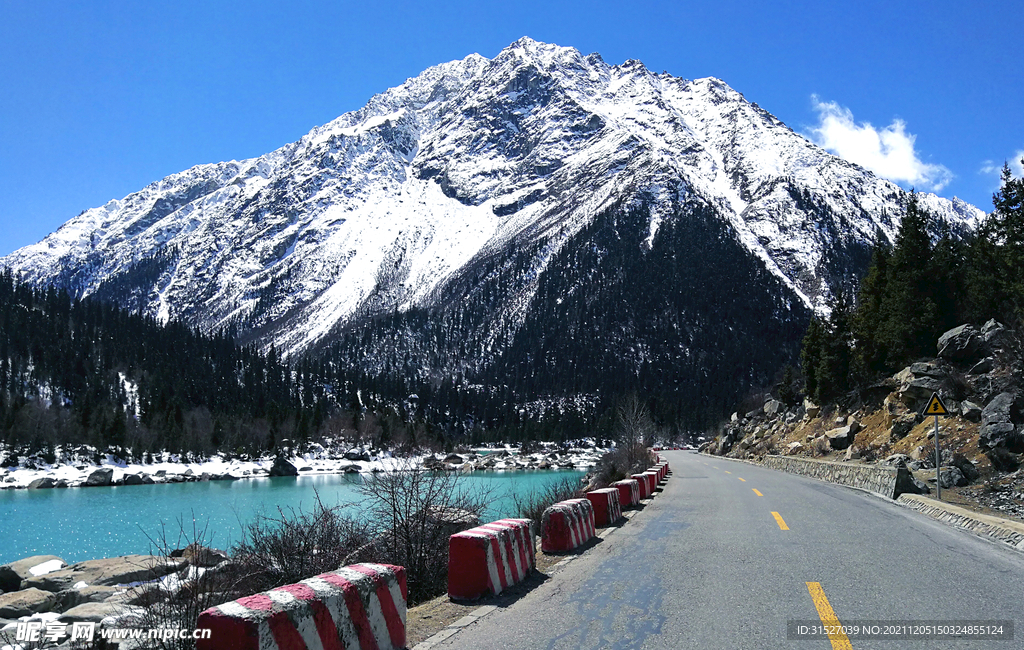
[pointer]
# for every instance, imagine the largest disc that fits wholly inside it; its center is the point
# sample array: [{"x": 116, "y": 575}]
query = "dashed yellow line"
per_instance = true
[
  {"x": 828, "y": 617},
  {"x": 742, "y": 479},
  {"x": 728, "y": 472},
  {"x": 779, "y": 520},
  {"x": 757, "y": 492}
]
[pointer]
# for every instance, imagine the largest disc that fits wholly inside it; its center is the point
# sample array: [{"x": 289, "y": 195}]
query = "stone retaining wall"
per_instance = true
[
  {"x": 1009, "y": 532},
  {"x": 874, "y": 478}
]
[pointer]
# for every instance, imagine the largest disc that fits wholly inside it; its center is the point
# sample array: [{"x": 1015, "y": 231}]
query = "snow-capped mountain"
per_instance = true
[{"x": 481, "y": 171}]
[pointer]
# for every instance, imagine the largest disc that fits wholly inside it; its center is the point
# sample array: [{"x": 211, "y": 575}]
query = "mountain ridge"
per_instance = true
[{"x": 457, "y": 193}]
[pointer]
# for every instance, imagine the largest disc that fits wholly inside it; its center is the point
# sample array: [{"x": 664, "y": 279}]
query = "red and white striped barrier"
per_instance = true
[
  {"x": 645, "y": 485},
  {"x": 607, "y": 510},
  {"x": 567, "y": 525},
  {"x": 654, "y": 479},
  {"x": 489, "y": 558},
  {"x": 359, "y": 606},
  {"x": 662, "y": 470},
  {"x": 629, "y": 492}
]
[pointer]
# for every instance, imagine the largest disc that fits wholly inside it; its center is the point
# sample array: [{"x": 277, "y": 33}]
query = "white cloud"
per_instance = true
[
  {"x": 888, "y": 152},
  {"x": 1016, "y": 166}
]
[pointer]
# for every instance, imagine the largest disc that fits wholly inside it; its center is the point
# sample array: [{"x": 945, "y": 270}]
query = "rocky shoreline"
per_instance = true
[
  {"x": 33, "y": 474},
  {"x": 45, "y": 591}
]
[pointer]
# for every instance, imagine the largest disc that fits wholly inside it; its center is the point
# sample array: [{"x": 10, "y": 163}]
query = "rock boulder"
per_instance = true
[
  {"x": 839, "y": 439},
  {"x": 106, "y": 572},
  {"x": 12, "y": 575},
  {"x": 282, "y": 467},
  {"x": 100, "y": 478},
  {"x": 43, "y": 483},
  {"x": 26, "y": 602},
  {"x": 963, "y": 343}
]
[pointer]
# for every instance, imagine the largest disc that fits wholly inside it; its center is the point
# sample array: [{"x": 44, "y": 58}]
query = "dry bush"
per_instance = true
[
  {"x": 293, "y": 545},
  {"x": 532, "y": 504},
  {"x": 412, "y": 515},
  {"x": 177, "y": 599}
]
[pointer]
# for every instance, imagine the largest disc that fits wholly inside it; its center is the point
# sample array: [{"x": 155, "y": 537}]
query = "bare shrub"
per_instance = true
[
  {"x": 294, "y": 545},
  {"x": 532, "y": 504},
  {"x": 176, "y": 600},
  {"x": 412, "y": 514}
]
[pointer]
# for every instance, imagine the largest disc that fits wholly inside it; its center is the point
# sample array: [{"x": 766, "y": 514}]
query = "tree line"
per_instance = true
[
  {"x": 83, "y": 371},
  {"x": 916, "y": 289}
]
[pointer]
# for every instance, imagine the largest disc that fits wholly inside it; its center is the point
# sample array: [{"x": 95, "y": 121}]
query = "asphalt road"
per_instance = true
[{"x": 708, "y": 565}]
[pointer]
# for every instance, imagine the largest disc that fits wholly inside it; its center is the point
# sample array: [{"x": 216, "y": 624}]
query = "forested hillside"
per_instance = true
[
  {"x": 914, "y": 291},
  {"x": 87, "y": 372}
]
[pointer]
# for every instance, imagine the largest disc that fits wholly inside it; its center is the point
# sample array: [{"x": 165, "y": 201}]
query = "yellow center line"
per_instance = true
[
  {"x": 742, "y": 479},
  {"x": 728, "y": 472},
  {"x": 757, "y": 492},
  {"x": 779, "y": 520},
  {"x": 828, "y": 618}
]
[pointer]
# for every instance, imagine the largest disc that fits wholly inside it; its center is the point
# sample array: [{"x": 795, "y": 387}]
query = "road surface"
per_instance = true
[{"x": 729, "y": 553}]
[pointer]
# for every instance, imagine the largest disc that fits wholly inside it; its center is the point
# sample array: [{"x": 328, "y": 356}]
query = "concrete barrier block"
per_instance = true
[
  {"x": 359, "y": 606},
  {"x": 607, "y": 510},
  {"x": 629, "y": 492},
  {"x": 567, "y": 525},
  {"x": 652, "y": 477},
  {"x": 490, "y": 558},
  {"x": 645, "y": 485}
]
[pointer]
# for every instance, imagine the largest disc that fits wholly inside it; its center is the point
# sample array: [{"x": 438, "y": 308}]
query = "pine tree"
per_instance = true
[
  {"x": 1007, "y": 224},
  {"x": 908, "y": 316},
  {"x": 869, "y": 357}
]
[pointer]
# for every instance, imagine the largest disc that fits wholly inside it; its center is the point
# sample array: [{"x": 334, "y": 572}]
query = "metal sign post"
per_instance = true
[{"x": 936, "y": 407}]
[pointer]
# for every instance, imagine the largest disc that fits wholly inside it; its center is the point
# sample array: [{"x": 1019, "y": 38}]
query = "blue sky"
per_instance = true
[{"x": 98, "y": 99}]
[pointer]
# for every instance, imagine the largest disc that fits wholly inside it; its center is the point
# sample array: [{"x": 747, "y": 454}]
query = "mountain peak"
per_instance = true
[{"x": 407, "y": 201}]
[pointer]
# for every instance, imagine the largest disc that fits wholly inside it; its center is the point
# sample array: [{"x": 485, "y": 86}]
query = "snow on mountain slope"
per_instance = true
[{"x": 381, "y": 208}]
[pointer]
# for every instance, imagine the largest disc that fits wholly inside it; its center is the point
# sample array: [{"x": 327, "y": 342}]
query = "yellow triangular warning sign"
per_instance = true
[{"x": 935, "y": 406}]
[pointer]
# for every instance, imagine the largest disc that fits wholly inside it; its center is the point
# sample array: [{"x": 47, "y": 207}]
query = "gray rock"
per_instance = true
[
  {"x": 896, "y": 460},
  {"x": 105, "y": 572},
  {"x": 771, "y": 407},
  {"x": 358, "y": 454},
  {"x": 995, "y": 335},
  {"x": 995, "y": 434},
  {"x": 966, "y": 467},
  {"x": 133, "y": 479},
  {"x": 970, "y": 411},
  {"x": 735, "y": 417},
  {"x": 950, "y": 477},
  {"x": 999, "y": 409},
  {"x": 811, "y": 409},
  {"x": 161, "y": 472},
  {"x": 901, "y": 426},
  {"x": 100, "y": 478},
  {"x": 839, "y": 439},
  {"x": 927, "y": 370},
  {"x": 282, "y": 467},
  {"x": 983, "y": 366},
  {"x": 907, "y": 483},
  {"x": 432, "y": 462},
  {"x": 919, "y": 389},
  {"x": 93, "y": 594},
  {"x": 44, "y": 483},
  {"x": 12, "y": 574},
  {"x": 854, "y": 426},
  {"x": 199, "y": 555},
  {"x": 26, "y": 602},
  {"x": 454, "y": 459},
  {"x": 962, "y": 343},
  {"x": 91, "y": 612}
]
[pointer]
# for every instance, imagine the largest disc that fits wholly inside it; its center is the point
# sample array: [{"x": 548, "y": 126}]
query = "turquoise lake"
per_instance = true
[{"x": 87, "y": 523}]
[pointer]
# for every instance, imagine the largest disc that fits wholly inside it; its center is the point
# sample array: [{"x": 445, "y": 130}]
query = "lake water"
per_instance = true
[{"x": 87, "y": 523}]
